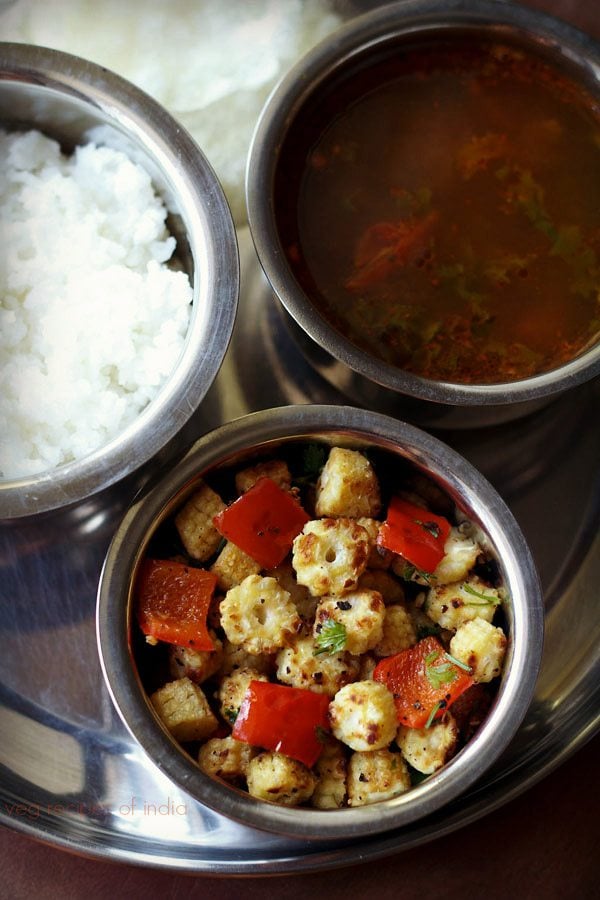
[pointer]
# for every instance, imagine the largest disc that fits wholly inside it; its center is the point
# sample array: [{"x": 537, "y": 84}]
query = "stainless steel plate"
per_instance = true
[{"x": 69, "y": 772}]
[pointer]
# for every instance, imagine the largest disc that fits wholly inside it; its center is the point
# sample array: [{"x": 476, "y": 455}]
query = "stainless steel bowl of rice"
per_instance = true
[{"x": 119, "y": 279}]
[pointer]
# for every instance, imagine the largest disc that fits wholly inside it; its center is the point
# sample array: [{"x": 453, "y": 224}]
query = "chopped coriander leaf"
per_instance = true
[
  {"x": 459, "y": 663},
  {"x": 314, "y": 457},
  {"x": 440, "y": 674},
  {"x": 567, "y": 240},
  {"x": 409, "y": 571},
  {"x": 433, "y": 714},
  {"x": 231, "y": 714},
  {"x": 331, "y": 638},
  {"x": 489, "y": 599}
]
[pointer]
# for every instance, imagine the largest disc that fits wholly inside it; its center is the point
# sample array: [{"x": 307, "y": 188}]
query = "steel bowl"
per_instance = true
[
  {"x": 65, "y": 97},
  {"x": 263, "y": 432},
  {"x": 363, "y": 378}
]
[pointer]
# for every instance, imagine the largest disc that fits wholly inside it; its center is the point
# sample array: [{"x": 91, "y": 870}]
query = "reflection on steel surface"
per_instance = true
[{"x": 49, "y": 759}]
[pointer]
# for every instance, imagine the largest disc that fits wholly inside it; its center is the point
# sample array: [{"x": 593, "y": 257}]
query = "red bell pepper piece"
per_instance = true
[
  {"x": 263, "y": 522},
  {"x": 173, "y": 601},
  {"x": 424, "y": 680},
  {"x": 415, "y": 533},
  {"x": 284, "y": 719}
]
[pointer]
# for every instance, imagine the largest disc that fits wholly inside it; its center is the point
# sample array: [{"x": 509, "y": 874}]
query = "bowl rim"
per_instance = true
[
  {"x": 262, "y": 429},
  {"x": 116, "y": 101},
  {"x": 393, "y": 22}
]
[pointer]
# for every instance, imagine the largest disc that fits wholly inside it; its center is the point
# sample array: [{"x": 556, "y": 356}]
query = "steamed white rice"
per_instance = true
[
  {"x": 211, "y": 63},
  {"x": 92, "y": 320}
]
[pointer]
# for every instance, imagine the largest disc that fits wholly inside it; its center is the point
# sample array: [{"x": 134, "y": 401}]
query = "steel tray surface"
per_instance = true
[{"x": 71, "y": 775}]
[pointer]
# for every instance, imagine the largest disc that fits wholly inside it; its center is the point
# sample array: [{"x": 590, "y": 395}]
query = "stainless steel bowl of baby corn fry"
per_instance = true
[{"x": 358, "y": 661}]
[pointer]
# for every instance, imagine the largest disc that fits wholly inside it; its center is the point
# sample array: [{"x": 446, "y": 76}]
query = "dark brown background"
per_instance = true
[
  {"x": 542, "y": 846},
  {"x": 545, "y": 844}
]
